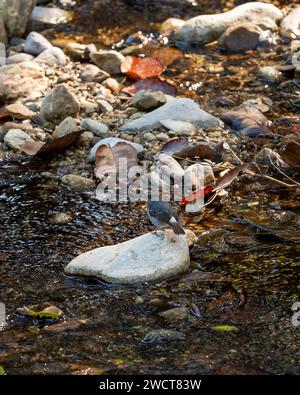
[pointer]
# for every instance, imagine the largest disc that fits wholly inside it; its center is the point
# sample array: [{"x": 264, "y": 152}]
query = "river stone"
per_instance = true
[
  {"x": 59, "y": 104},
  {"x": 111, "y": 141},
  {"x": 207, "y": 28},
  {"x": 67, "y": 126},
  {"x": 76, "y": 182},
  {"x": 241, "y": 37},
  {"x": 47, "y": 17},
  {"x": 92, "y": 73},
  {"x": 98, "y": 128},
  {"x": 19, "y": 57},
  {"x": 270, "y": 74},
  {"x": 180, "y": 128},
  {"x": 20, "y": 79},
  {"x": 290, "y": 25},
  {"x": 15, "y": 138},
  {"x": 145, "y": 100},
  {"x": 35, "y": 44},
  {"x": 15, "y": 14},
  {"x": 52, "y": 56},
  {"x": 150, "y": 257},
  {"x": 19, "y": 111},
  {"x": 79, "y": 52},
  {"x": 109, "y": 61},
  {"x": 175, "y": 109}
]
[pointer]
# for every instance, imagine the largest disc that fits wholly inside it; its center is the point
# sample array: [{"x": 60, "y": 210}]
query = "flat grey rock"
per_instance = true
[
  {"x": 177, "y": 109},
  {"x": 147, "y": 258}
]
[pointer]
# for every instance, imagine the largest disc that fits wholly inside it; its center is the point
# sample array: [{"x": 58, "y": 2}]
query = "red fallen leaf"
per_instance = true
[
  {"x": 153, "y": 84},
  {"x": 195, "y": 195},
  {"x": 141, "y": 68},
  {"x": 53, "y": 146},
  {"x": 167, "y": 55}
]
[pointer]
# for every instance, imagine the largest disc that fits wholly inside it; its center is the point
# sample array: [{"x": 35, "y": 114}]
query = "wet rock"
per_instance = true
[
  {"x": 111, "y": 141},
  {"x": 162, "y": 137},
  {"x": 58, "y": 104},
  {"x": 148, "y": 100},
  {"x": 290, "y": 25},
  {"x": 3, "y": 35},
  {"x": 20, "y": 79},
  {"x": 176, "y": 314},
  {"x": 175, "y": 109},
  {"x": 109, "y": 61},
  {"x": 104, "y": 106},
  {"x": 76, "y": 182},
  {"x": 19, "y": 57},
  {"x": 79, "y": 52},
  {"x": 270, "y": 74},
  {"x": 19, "y": 111},
  {"x": 150, "y": 257},
  {"x": 206, "y": 28},
  {"x": 35, "y": 44},
  {"x": 15, "y": 138},
  {"x": 98, "y": 128},
  {"x": 240, "y": 37},
  {"x": 86, "y": 138},
  {"x": 15, "y": 15},
  {"x": 47, "y": 17},
  {"x": 61, "y": 218},
  {"x": 52, "y": 56},
  {"x": 67, "y": 126},
  {"x": 160, "y": 335},
  {"x": 180, "y": 128},
  {"x": 92, "y": 73}
]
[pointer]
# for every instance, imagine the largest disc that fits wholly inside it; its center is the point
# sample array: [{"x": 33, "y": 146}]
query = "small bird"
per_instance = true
[{"x": 162, "y": 215}]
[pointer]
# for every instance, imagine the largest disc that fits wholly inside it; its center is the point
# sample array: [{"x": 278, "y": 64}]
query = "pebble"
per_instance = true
[
  {"x": 35, "y": 44},
  {"x": 92, "y": 73},
  {"x": 15, "y": 138},
  {"x": 18, "y": 111},
  {"x": 19, "y": 57},
  {"x": 86, "y": 138},
  {"x": 61, "y": 218},
  {"x": 109, "y": 61},
  {"x": 104, "y": 106},
  {"x": 175, "y": 314},
  {"x": 52, "y": 56},
  {"x": 98, "y": 128},
  {"x": 77, "y": 182},
  {"x": 149, "y": 136},
  {"x": 67, "y": 126},
  {"x": 148, "y": 100},
  {"x": 162, "y": 137},
  {"x": 270, "y": 74}
]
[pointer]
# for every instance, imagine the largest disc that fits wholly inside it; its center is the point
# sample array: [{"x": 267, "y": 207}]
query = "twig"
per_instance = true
[
  {"x": 270, "y": 179},
  {"x": 235, "y": 155}
]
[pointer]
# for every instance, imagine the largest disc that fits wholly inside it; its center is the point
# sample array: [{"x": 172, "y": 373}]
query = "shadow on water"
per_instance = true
[{"x": 104, "y": 325}]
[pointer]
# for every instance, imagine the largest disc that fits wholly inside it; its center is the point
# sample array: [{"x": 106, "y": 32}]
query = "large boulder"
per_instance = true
[
  {"x": 16, "y": 14},
  {"x": 206, "y": 28},
  {"x": 175, "y": 109},
  {"x": 147, "y": 258},
  {"x": 21, "y": 79},
  {"x": 59, "y": 104}
]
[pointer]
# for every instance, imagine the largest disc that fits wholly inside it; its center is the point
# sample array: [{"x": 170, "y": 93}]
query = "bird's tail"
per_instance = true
[{"x": 177, "y": 228}]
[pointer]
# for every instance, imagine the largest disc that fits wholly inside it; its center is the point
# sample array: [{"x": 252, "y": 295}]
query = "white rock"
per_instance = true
[
  {"x": 36, "y": 43},
  {"x": 146, "y": 258},
  {"x": 176, "y": 109},
  {"x": 290, "y": 25},
  {"x": 52, "y": 56},
  {"x": 19, "y": 57},
  {"x": 98, "y": 128},
  {"x": 15, "y": 138},
  {"x": 179, "y": 127},
  {"x": 207, "y": 28},
  {"x": 111, "y": 141}
]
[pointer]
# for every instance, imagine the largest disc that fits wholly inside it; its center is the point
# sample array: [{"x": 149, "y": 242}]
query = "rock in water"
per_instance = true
[
  {"x": 149, "y": 257},
  {"x": 206, "y": 28},
  {"x": 15, "y": 15},
  {"x": 241, "y": 37},
  {"x": 177, "y": 110},
  {"x": 59, "y": 104},
  {"x": 47, "y": 17},
  {"x": 35, "y": 44},
  {"x": 20, "y": 79},
  {"x": 290, "y": 26}
]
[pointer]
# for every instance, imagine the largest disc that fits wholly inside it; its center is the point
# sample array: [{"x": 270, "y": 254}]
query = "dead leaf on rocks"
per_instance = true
[
  {"x": 51, "y": 147},
  {"x": 291, "y": 154},
  {"x": 141, "y": 68},
  {"x": 64, "y": 326},
  {"x": 180, "y": 148}
]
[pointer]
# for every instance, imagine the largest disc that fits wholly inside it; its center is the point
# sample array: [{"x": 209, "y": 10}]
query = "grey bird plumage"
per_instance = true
[{"x": 162, "y": 216}]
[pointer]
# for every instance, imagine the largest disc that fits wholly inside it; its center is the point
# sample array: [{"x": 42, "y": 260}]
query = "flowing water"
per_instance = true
[{"x": 104, "y": 325}]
